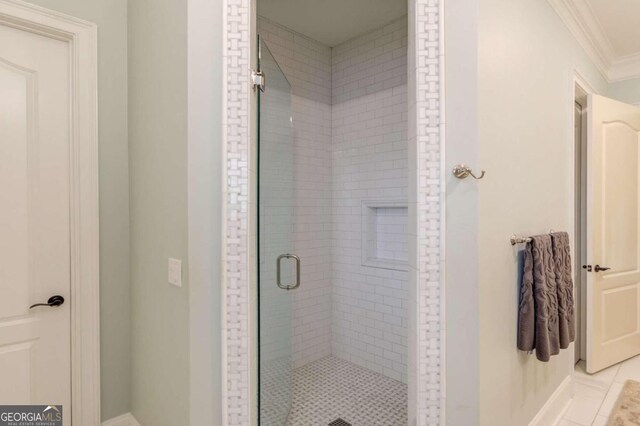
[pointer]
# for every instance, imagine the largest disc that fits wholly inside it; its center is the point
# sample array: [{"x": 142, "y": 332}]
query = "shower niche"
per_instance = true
[{"x": 384, "y": 235}]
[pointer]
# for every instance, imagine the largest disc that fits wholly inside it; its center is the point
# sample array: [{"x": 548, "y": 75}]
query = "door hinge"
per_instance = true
[{"x": 258, "y": 80}]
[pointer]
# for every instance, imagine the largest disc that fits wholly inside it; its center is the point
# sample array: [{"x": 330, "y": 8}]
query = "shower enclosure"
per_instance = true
[
  {"x": 333, "y": 201},
  {"x": 278, "y": 267}
]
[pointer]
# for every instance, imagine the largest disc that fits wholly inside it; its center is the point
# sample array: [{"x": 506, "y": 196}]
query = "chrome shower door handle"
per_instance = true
[{"x": 278, "y": 270}]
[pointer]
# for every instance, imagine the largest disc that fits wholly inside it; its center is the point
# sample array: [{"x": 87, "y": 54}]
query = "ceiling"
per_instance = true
[
  {"x": 620, "y": 21},
  {"x": 332, "y": 22},
  {"x": 608, "y": 31}
]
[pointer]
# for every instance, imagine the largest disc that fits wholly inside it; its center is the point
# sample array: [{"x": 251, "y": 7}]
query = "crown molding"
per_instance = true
[
  {"x": 581, "y": 21},
  {"x": 625, "y": 68}
]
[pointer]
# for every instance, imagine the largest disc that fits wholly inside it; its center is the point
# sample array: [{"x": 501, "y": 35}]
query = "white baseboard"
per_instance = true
[
  {"x": 552, "y": 411},
  {"x": 123, "y": 420}
]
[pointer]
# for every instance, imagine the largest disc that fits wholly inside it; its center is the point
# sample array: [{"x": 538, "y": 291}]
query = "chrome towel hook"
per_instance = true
[{"x": 461, "y": 171}]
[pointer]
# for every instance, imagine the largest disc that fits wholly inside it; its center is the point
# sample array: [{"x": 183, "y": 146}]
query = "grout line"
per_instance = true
[
  {"x": 613, "y": 380},
  {"x": 608, "y": 389}
]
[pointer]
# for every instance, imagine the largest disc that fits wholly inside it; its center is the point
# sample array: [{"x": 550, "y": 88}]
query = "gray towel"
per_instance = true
[
  {"x": 526, "y": 309},
  {"x": 564, "y": 285},
  {"x": 545, "y": 315}
]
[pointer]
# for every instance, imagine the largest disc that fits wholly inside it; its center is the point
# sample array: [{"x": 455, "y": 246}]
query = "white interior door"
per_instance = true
[
  {"x": 613, "y": 232},
  {"x": 35, "y": 360}
]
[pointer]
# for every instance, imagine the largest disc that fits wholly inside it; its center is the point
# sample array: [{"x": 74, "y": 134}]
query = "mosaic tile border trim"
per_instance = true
[
  {"x": 236, "y": 139},
  {"x": 429, "y": 134},
  {"x": 236, "y": 148}
]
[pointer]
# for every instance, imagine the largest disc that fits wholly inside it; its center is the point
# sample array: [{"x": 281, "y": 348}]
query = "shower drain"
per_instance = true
[{"x": 339, "y": 422}]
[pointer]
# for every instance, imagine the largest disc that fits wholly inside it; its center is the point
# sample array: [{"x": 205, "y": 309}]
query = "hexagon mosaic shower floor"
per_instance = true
[{"x": 332, "y": 388}]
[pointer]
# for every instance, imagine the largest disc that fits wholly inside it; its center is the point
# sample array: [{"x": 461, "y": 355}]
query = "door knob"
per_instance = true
[
  {"x": 53, "y": 301},
  {"x": 599, "y": 268}
]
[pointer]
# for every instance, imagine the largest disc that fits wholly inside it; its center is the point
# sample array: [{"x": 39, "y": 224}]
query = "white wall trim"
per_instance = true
[
  {"x": 582, "y": 22},
  {"x": 85, "y": 292},
  {"x": 578, "y": 79},
  {"x": 553, "y": 410},
  {"x": 126, "y": 419}
]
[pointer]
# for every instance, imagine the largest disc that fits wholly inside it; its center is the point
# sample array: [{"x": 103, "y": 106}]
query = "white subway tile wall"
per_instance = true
[
  {"x": 353, "y": 150},
  {"x": 306, "y": 62},
  {"x": 370, "y": 164},
  {"x": 307, "y": 66},
  {"x": 312, "y": 304},
  {"x": 370, "y": 63},
  {"x": 344, "y": 154}
]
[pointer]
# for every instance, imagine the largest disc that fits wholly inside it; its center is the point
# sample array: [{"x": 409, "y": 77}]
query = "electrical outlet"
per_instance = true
[{"x": 175, "y": 272}]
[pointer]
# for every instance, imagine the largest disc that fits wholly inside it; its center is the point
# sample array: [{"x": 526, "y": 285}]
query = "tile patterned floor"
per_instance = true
[
  {"x": 332, "y": 388},
  {"x": 275, "y": 391},
  {"x": 596, "y": 394}
]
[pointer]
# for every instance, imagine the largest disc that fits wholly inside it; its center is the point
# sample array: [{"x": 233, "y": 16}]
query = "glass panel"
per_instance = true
[{"x": 275, "y": 227}]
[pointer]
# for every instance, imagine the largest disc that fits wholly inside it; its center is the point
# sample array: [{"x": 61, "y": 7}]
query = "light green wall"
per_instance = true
[
  {"x": 111, "y": 18},
  {"x": 145, "y": 331},
  {"x": 526, "y": 62},
  {"x": 462, "y": 350},
  {"x": 205, "y": 209},
  {"x": 158, "y": 174},
  {"x": 626, "y": 91}
]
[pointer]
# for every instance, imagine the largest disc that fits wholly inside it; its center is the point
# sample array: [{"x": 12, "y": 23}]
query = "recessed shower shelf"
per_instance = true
[{"x": 384, "y": 235}]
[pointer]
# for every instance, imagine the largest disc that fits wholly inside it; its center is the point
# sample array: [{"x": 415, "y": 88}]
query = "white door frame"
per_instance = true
[
  {"x": 578, "y": 80},
  {"x": 427, "y": 176},
  {"x": 84, "y": 266}
]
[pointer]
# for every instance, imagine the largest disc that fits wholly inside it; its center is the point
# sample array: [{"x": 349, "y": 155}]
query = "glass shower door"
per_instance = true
[{"x": 278, "y": 267}]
